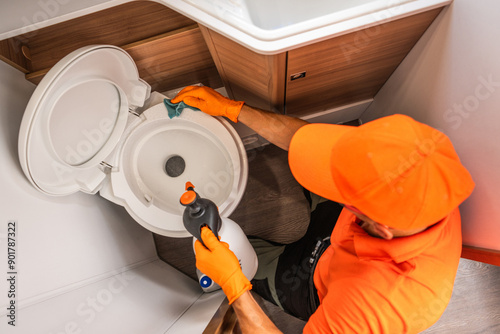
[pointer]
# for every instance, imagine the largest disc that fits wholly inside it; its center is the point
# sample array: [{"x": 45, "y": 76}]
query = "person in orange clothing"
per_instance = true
[{"x": 382, "y": 249}]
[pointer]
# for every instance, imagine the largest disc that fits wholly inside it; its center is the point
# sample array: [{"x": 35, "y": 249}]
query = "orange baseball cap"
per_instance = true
[{"x": 397, "y": 171}]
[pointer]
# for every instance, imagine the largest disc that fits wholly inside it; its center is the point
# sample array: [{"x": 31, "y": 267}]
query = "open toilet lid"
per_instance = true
[{"x": 76, "y": 117}]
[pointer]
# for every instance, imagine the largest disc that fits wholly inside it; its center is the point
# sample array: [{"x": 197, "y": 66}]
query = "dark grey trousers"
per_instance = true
[{"x": 285, "y": 272}]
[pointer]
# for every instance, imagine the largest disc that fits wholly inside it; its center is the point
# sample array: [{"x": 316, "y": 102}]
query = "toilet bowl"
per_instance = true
[{"x": 84, "y": 130}]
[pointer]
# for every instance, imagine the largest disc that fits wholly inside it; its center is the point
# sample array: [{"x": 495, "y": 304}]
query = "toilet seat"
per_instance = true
[
  {"x": 57, "y": 169},
  {"x": 80, "y": 132}
]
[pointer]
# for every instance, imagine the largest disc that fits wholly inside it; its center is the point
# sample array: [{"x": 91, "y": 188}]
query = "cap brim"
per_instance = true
[{"x": 310, "y": 158}]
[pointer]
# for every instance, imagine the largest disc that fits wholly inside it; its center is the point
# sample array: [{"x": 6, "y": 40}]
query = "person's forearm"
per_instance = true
[
  {"x": 251, "y": 317},
  {"x": 276, "y": 128}
]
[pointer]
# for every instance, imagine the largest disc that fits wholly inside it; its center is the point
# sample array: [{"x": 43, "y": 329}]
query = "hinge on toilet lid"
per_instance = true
[
  {"x": 133, "y": 111},
  {"x": 105, "y": 167}
]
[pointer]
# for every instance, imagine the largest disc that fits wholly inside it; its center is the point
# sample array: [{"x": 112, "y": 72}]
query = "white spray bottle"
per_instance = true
[{"x": 201, "y": 212}]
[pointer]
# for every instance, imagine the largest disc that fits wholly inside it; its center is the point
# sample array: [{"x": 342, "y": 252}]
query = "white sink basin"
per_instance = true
[
  {"x": 284, "y": 13},
  {"x": 280, "y": 18},
  {"x": 273, "y": 26}
]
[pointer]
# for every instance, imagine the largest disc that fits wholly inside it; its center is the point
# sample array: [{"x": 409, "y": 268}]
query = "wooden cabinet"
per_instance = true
[
  {"x": 168, "y": 48},
  {"x": 321, "y": 76},
  {"x": 254, "y": 78},
  {"x": 351, "y": 67}
]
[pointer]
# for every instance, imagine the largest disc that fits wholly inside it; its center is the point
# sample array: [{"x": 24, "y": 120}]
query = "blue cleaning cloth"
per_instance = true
[{"x": 175, "y": 109}]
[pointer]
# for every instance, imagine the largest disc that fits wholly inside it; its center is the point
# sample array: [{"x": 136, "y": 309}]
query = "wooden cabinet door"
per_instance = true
[
  {"x": 351, "y": 67},
  {"x": 257, "y": 79},
  {"x": 167, "y": 47}
]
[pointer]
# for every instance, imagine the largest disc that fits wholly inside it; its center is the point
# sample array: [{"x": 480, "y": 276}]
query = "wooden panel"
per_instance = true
[
  {"x": 352, "y": 67},
  {"x": 481, "y": 255},
  {"x": 14, "y": 53},
  {"x": 174, "y": 60},
  {"x": 167, "y": 47},
  {"x": 254, "y": 78},
  {"x": 168, "y": 61},
  {"x": 119, "y": 25}
]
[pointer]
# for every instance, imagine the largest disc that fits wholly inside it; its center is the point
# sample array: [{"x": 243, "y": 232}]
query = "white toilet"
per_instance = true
[{"x": 84, "y": 130}]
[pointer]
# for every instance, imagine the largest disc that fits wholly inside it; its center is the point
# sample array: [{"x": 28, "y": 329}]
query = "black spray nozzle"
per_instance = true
[{"x": 199, "y": 212}]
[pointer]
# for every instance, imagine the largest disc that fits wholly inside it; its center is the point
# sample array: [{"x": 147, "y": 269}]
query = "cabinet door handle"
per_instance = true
[{"x": 298, "y": 76}]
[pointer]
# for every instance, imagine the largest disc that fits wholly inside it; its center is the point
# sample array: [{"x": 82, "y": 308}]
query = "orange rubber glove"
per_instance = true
[
  {"x": 221, "y": 265},
  {"x": 209, "y": 101}
]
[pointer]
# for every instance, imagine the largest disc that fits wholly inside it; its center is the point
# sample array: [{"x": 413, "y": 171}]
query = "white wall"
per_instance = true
[
  {"x": 61, "y": 242},
  {"x": 451, "y": 80}
]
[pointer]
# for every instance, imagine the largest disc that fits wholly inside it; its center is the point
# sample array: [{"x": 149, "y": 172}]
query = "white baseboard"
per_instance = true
[{"x": 342, "y": 114}]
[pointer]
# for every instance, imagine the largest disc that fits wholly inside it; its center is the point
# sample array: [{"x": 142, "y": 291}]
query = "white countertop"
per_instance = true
[{"x": 238, "y": 26}]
